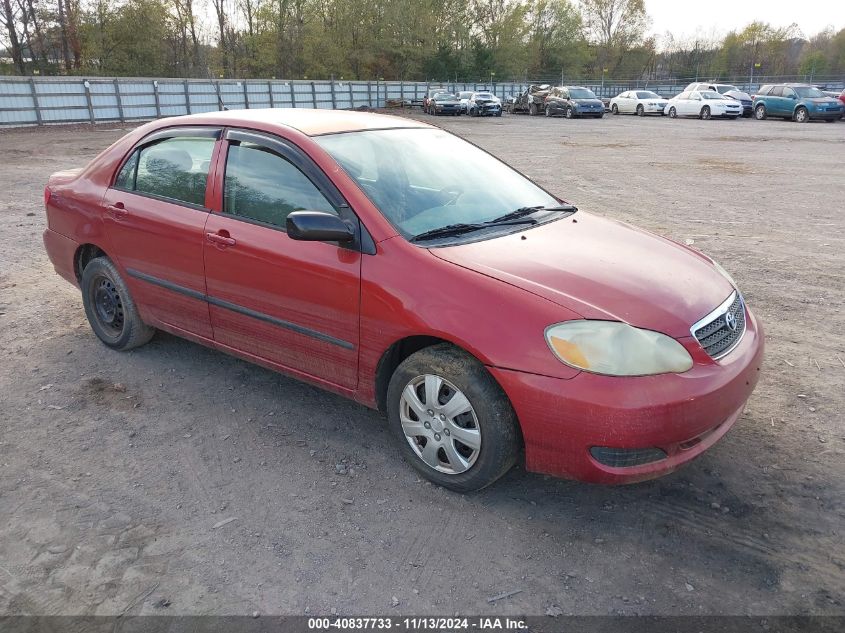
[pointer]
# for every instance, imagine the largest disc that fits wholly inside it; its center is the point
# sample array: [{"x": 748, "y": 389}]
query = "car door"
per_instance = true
[
  {"x": 155, "y": 214},
  {"x": 692, "y": 105},
  {"x": 292, "y": 303},
  {"x": 775, "y": 103},
  {"x": 789, "y": 98}
]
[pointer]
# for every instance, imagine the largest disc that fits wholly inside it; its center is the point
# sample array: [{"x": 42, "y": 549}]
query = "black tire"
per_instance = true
[
  {"x": 673, "y": 113},
  {"x": 640, "y": 110},
  {"x": 501, "y": 441},
  {"x": 614, "y": 109},
  {"x": 548, "y": 111},
  {"x": 499, "y": 113},
  {"x": 532, "y": 109},
  {"x": 570, "y": 113},
  {"x": 705, "y": 113},
  {"x": 760, "y": 112},
  {"x": 109, "y": 307},
  {"x": 802, "y": 115}
]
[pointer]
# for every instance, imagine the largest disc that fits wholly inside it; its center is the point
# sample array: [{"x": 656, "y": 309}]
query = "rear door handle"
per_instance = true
[
  {"x": 220, "y": 240},
  {"x": 117, "y": 210}
]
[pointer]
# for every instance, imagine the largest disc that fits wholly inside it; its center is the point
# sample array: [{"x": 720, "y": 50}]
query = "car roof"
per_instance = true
[{"x": 311, "y": 122}]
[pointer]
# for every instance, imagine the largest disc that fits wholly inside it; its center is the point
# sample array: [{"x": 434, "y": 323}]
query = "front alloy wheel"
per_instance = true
[
  {"x": 801, "y": 115},
  {"x": 452, "y": 421},
  {"x": 673, "y": 113},
  {"x": 760, "y": 112},
  {"x": 705, "y": 112}
]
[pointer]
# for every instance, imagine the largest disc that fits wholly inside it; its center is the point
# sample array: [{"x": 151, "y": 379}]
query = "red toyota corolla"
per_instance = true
[{"x": 396, "y": 264}]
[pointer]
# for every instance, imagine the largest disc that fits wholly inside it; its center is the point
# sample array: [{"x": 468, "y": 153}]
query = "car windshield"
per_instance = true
[
  {"x": 808, "y": 92},
  {"x": 483, "y": 95},
  {"x": 444, "y": 95},
  {"x": 709, "y": 94},
  {"x": 646, "y": 94},
  {"x": 464, "y": 95},
  {"x": 724, "y": 89},
  {"x": 424, "y": 179},
  {"x": 581, "y": 93}
]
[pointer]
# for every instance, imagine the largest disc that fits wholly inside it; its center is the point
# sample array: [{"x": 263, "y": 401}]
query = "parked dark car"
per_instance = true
[
  {"x": 796, "y": 102},
  {"x": 428, "y": 95},
  {"x": 573, "y": 101},
  {"x": 728, "y": 90},
  {"x": 445, "y": 103}
]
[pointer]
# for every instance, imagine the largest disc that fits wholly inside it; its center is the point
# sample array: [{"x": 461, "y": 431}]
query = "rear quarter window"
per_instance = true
[{"x": 174, "y": 168}]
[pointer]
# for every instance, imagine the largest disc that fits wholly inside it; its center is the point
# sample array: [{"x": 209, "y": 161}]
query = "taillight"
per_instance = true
[{"x": 47, "y": 194}]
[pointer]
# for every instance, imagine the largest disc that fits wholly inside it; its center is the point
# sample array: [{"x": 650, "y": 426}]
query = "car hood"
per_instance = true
[
  {"x": 446, "y": 101},
  {"x": 602, "y": 269},
  {"x": 739, "y": 95},
  {"x": 588, "y": 101}
]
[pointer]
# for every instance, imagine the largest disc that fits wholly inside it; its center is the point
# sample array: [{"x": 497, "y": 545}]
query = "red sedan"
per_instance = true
[{"x": 396, "y": 264}]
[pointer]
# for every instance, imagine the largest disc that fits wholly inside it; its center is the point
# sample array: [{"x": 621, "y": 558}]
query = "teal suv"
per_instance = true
[{"x": 796, "y": 102}]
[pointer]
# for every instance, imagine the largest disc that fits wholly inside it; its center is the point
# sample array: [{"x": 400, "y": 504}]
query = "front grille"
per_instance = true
[
  {"x": 626, "y": 457},
  {"x": 716, "y": 334}
]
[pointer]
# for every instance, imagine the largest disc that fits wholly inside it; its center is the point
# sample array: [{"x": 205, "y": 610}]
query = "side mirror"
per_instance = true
[{"x": 317, "y": 226}]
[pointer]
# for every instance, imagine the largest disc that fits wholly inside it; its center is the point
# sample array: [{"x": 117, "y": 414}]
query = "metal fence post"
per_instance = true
[
  {"x": 217, "y": 90},
  {"x": 313, "y": 94},
  {"x": 35, "y": 101},
  {"x": 270, "y": 93},
  {"x": 246, "y": 96},
  {"x": 369, "y": 94},
  {"x": 292, "y": 95},
  {"x": 119, "y": 100},
  {"x": 187, "y": 97},
  {"x": 334, "y": 99},
  {"x": 158, "y": 101},
  {"x": 351, "y": 97},
  {"x": 87, "y": 85},
  {"x": 402, "y": 94}
]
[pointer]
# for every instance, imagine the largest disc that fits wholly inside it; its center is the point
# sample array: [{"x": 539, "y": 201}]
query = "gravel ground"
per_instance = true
[{"x": 177, "y": 480}]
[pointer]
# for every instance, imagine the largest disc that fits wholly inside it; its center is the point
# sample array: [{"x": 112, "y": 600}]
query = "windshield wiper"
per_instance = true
[
  {"x": 523, "y": 211},
  {"x": 517, "y": 216},
  {"x": 463, "y": 227}
]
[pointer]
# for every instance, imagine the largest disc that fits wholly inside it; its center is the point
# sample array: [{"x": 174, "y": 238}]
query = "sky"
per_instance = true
[{"x": 685, "y": 17}]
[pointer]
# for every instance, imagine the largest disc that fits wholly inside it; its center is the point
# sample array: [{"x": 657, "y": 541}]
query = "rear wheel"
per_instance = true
[
  {"x": 109, "y": 307},
  {"x": 760, "y": 112},
  {"x": 801, "y": 115},
  {"x": 705, "y": 112},
  {"x": 532, "y": 109},
  {"x": 614, "y": 109},
  {"x": 640, "y": 111},
  {"x": 570, "y": 113},
  {"x": 453, "y": 422},
  {"x": 548, "y": 111},
  {"x": 673, "y": 113}
]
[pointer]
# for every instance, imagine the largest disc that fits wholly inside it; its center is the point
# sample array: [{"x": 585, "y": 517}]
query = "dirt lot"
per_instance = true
[{"x": 118, "y": 472}]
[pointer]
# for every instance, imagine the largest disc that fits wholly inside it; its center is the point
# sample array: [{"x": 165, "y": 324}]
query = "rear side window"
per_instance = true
[
  {"x": 777, "y": 91},
  {"x": 764, "y": 91},
  {"x": 261, "y": 185},
  {"x": 174, "y": 168}
]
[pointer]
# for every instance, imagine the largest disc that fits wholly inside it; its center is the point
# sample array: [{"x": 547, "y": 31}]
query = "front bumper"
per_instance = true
[{"x": 680, "y": 414}]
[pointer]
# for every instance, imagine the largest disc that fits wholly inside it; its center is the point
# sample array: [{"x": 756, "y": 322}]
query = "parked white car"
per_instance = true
[
  {"x": 464, "y": 98},
  {"x": 703, "y": 104},
  {"x": 639, "y": 102},
  {"x": 484, "y": 104}
]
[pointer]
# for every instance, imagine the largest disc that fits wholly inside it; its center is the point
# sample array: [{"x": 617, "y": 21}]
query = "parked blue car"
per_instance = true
[{"x": 796, "y": 102}]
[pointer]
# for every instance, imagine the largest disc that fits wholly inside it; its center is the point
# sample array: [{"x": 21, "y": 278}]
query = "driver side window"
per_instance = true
[{"x": 261, "y": 185}]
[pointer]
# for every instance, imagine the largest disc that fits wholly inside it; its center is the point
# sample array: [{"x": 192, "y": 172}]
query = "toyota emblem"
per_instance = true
[{"x": 730, "y": 321}]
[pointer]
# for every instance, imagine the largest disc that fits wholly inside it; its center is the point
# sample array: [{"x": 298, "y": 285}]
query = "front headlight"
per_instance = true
[{"x": 616, "y": 349}]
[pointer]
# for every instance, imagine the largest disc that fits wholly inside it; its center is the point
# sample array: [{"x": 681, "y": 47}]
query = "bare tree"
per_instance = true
[{"x": 9, "y": 21}]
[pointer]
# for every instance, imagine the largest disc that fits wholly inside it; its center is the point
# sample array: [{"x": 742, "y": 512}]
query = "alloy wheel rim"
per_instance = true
[
  {"x": 801, "y": 116},
  {"x": 440, "y": 424}
]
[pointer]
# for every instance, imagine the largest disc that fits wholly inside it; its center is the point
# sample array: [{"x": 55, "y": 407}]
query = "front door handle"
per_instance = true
[
  {"x": 220, "y": 239},
  {"x": 117, "y": 210}
]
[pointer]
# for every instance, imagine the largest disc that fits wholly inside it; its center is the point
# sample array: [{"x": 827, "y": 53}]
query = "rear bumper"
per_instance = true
[
  {"x": 62, "y": 251},
  {"x": 681, "y": 414}
]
